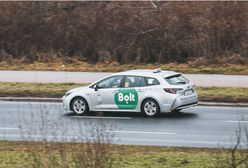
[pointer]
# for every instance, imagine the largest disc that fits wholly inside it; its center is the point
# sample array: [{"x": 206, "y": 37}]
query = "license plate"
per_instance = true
[{"x": 188, "y": 92}]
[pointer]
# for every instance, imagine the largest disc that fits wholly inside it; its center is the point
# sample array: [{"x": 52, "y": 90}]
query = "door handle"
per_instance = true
[
  {"x": 140, "y": 90},
  {"x": 115, "y": 91}
]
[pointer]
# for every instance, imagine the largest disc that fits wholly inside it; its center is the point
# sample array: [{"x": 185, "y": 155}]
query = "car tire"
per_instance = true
[
  {"x": 79, "y": 106},
  {"x": 150, "y": 108}
]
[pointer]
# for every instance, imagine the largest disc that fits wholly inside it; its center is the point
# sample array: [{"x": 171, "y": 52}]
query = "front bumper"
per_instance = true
[{"x": 66, "y": 104}]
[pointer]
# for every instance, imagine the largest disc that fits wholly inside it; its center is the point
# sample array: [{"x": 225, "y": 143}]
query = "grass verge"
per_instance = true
[
  {"x": 115, "y": 67},
  {"x": 35, "y": 89},
  {"x": 218, "y": 94},
  {"x": 223, "y": 94},
  {"x": 20, "y": 154}
]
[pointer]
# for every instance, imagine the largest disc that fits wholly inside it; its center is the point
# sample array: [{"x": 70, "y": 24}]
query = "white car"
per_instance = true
[{"x": 146, "y": 91}]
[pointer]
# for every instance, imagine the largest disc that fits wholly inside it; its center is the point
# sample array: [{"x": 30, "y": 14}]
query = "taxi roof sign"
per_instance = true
[{"x": 157, "y": 70}]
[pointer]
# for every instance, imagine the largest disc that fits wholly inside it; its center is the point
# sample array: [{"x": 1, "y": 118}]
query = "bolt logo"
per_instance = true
[{"x": 126, "y": 98}]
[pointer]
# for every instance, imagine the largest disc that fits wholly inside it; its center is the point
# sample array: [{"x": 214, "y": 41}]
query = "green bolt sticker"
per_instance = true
[{"x": 126, "y": 98}]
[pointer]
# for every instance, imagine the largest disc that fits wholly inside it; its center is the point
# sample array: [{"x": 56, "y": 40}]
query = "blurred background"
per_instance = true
[{"x": 124, "y": 32}]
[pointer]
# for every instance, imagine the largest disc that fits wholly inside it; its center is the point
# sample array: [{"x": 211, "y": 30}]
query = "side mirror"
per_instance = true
[{"x": 96, "y": 87}]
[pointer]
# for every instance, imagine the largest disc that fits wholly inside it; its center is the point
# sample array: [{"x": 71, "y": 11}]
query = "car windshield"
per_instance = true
[{"x": 177, "y": 80}]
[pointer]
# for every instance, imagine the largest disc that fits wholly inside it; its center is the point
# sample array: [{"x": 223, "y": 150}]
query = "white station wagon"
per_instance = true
[{"x": 146, "y": 91}]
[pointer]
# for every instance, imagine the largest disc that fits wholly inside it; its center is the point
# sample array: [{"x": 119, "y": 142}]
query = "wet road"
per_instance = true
[
  {"x": 205, "y": 80},
  {"x": 202, "y": 126}
]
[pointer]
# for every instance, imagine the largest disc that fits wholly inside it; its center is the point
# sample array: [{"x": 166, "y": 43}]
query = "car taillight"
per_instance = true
[
  {"x": 194, "y": 87},
  {"x": 172, "y": 90}
]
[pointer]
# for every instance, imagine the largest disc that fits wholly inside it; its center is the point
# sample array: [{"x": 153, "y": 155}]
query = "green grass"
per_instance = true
[
  {"x": 223, "y": 94},
  {"x": 35, "y": 89},
  {"x": 224, "y": 68},
  {"x": 21, "y": 154},
  {"x": 219, "y": 94}
]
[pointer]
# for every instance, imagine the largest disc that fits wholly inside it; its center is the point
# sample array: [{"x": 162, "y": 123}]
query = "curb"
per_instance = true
[
  {"x": 39, "y": 99},
  {"x": 223, "y": 104}
]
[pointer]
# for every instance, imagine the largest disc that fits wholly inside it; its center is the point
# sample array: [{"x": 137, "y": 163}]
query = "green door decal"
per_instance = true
[{"x": 126, "y": 98}]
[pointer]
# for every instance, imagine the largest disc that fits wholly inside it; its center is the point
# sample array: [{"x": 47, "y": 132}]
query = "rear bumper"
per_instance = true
[
  {"x": 186, "y": 106},
  {"x": 183, "y": 102}
]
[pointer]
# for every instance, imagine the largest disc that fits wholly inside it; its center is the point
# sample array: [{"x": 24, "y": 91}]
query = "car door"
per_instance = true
[
  {"x": 103, "y": 97},
  {"x": 130, "y": 95}
]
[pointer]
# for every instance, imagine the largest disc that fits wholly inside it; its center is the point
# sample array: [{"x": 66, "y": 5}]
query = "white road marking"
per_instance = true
[
  {"x": 102, "y": 117},
  {"x": 144, "y": 132},
  {"x": 9, "y": 128},
  {"x": 237, "y": 121}
]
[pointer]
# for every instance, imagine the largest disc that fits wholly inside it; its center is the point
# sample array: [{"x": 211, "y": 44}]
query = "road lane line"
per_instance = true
[
  {"x": 237, "y": 121},
  {"x": 9, "y": 128},
  {"x": 102, "y": 117},
  {"x": 143, "y": 132}
]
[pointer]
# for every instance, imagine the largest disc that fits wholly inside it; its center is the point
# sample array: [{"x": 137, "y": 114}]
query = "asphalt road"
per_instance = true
[
  {"x": 205, "y": 80},
  {"x": 194, "y": 127}
]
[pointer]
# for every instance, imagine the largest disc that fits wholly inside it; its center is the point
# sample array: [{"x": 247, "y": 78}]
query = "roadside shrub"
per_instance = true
[
  {"x": 90, "y": 147},
  {"x": 124, "y": 31}
]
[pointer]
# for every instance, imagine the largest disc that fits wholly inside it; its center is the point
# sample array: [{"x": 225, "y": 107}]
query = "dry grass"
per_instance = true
[
  {"x": 192, "y": 67},
  {"x": 17, "y": 154}
]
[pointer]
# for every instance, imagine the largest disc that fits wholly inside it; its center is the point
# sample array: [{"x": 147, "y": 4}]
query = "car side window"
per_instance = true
[
  {"x": 142, "y": 82},
  {"x": 134, "y": 81},
  {"x": 151, "y": 81},
  {"x": 111, "y": 82}
]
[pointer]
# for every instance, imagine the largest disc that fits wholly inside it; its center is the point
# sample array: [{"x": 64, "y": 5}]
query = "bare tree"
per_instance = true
[{"x": 126, "y": 32}]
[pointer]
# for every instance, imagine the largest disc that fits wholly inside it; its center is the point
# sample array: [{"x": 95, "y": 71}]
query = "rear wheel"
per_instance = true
[
  {"x": 150, "y": 108},
  {"x": 79, "y": 106}
]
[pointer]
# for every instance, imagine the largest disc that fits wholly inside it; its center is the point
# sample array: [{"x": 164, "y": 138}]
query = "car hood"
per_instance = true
[{"x": 78, "y": 89}]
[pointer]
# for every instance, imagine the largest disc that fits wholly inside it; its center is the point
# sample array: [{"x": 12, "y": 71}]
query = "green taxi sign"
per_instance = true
[{"x": 126, "y": 98}]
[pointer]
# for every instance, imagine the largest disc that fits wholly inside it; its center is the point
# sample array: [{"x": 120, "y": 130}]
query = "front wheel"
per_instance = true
[
  {"x": 79, "y": 106},
  {"x": 150, "y": 108}
]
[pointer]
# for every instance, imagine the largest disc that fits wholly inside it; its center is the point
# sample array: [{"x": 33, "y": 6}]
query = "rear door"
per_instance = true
[{"x": 130, "y": 95}]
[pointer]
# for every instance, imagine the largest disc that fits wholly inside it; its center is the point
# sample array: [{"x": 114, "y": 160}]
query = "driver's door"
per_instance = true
[{"x": 103, "y": 97}]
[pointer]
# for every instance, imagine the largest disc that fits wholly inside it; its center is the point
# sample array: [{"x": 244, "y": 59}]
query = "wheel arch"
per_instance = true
[
  {"x": 78, "y": 97},
  {"x": 147, "y": 99}
]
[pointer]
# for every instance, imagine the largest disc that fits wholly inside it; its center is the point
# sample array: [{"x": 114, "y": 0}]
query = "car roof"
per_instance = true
[{"x": 148, "y": 73}]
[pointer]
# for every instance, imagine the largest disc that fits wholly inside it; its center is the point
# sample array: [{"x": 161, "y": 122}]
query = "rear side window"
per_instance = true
[
  {"x": 134, "y": 81},
  {"x": 177, "y": 80},
  {"x": 139, "y": 81},
  {"x": 151, "y": 81}
]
